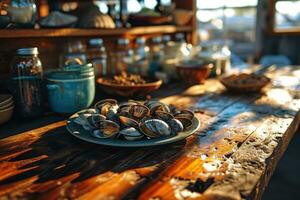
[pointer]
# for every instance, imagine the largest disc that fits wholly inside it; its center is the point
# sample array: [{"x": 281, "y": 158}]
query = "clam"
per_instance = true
[
  {"x": 139, "y": 111},
  {"x": 82, "y": 118},
  {"x": 107, "y": 107},
  {"x": 186, "y": 122},
  {"x": 127, "y": 121},
  {"x": 154, "y": 128},
  {"x": 158, "y": 107},
  {"x": 131, "y": 134},
  {"x": 126, "y": 104},
  {"x": 90, "y": 111},
  {"x": 174, "y": 110},
  {"x": 186, "y": 113},
  {"x": 107, "y": 129},
  {"x": 165, "y": 116},
  {"x": 111, "y": 101},
  {"x": 175, "y": 125}
]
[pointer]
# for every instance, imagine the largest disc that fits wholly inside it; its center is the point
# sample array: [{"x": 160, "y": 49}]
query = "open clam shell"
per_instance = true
[
  {"x": 107, "y": 129},
  {"x": 139, "y": 111},
  {"x": 165, "y": 116},
  {"x": 131, "y": 134},
  {"x": 174, "y": 110},
  {"x": 186, "y": 122},
  {"x": 187, "y": 113},
  {"x": 154, "y": 128},
  {"x": 129, "y": 122},
  {"x": 158, "y": 107}
]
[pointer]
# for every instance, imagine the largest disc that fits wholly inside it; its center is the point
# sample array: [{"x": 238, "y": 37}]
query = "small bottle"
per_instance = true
[
  {"x": 123, "y": 56},
  {"x": 156, "y": 55},
  {"x": 140, "y": 63},
  {"x": 98, "y": 57},
  {"x": 26, "y": 82}
]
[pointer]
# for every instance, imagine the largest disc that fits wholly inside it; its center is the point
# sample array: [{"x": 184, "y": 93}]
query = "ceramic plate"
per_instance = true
[{"x": 77, "y": 131}]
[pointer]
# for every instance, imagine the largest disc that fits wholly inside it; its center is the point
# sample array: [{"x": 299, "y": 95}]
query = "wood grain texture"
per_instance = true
[
  {"x": 232, "y": 155},
  {"x": 76, "y": 32}
]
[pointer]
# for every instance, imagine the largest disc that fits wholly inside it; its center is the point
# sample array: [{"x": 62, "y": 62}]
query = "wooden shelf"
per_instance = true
[{"x": 76, "y": 32}]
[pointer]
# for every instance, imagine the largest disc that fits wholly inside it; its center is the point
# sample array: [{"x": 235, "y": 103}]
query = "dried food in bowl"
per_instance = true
[
  {"x": 194, "y": 72},
  {"x": 244, "y": 82},
  {"x": 128, "y": 85}
]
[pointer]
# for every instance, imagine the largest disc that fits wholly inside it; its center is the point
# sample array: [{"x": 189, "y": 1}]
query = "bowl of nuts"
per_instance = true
[
  {"x": 243, "y": 83},
  {"x": 128, "y": 85}
]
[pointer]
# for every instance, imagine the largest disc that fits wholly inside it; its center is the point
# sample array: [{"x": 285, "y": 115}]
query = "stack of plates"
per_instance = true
[{"x": 6, "y": 107}]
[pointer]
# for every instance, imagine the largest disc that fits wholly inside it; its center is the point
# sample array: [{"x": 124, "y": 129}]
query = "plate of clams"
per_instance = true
[{"x": 132, "y": 123}]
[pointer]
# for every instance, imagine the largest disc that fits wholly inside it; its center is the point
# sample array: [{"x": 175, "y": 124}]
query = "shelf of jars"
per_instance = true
[{"x": 76, "y": 32}]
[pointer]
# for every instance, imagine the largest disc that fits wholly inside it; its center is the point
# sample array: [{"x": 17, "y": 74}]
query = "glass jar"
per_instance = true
[
  {"x": 22, "y": 12},
  {"x": 26, "y": 82},
  {"x": 218, "y": 54},
  {"x": 97, "y": 55},
  {"x": 74, "y": 54},
  {"x": 140, "y": 63},
  {"x": 155, "y": 56},
  {"x": 174, "y": 53},
  {"x": 123, "y": 56}
]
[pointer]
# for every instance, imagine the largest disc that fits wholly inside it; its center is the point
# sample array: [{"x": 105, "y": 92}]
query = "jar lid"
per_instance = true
[
  {"x": 123, "y": 41},
  {"x": 140, "y": 40},
  {"x": 28, "y": 51},
  {"x": 96, "y": 42},
  {"x": 166, "y": 38},
  {"x": 156, "y": 39}
]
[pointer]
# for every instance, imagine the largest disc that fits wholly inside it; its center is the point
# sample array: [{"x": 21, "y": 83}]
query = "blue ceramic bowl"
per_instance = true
[{"x": 70, "y": 95}]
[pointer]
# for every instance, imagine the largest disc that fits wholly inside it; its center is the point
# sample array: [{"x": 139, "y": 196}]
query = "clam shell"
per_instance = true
[
  {"x": 181, "y": 115},
  {"x": 111, "y": 101},
  {"x": 139, "y": 111},
  {"x": 90, "y": 111},
  {"x": 155, "y": 128},
  {"x": 186, "y": 122},
  {"x": 108, "y": 129},
  {"x": 175, "y": 125},
  {"x": 165, "y": 116},
  {"x": 104, "y": 106},
  {"x": 188, "y": 112},
  {"x": 131, "y": 134},
  {"x": 174, "y": 110},
  {"x": 82, "y": 118},
  {"x": 158, "y": 107},
  {"x": 129, "y": 122}
]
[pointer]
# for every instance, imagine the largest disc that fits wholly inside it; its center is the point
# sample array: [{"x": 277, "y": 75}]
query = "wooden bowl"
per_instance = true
[
  {"x": 128, "y": 90},
  {"x": 142, "y": 20},
  {"x": 182, "y": 17},
  {"x": 243, "y": 83},
  {"x": 194, "y": 74}
]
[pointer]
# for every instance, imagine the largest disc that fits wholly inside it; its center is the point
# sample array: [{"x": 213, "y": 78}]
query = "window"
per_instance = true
[
  {"x": 287, "y": 14},
  {"x": 232, "y": 20}
]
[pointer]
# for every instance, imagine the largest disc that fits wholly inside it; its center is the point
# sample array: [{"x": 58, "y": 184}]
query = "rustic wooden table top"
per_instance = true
[{"x": 232, "y": 156}]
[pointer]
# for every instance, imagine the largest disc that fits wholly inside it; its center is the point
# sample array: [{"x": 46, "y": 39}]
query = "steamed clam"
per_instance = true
[
  {"x": 131, "y": 134},
  {"x": 134, "y": 120},
  {"x": 139, "y": 111},
  {"x": 154, "y": 128},
  {"x": 106, "y": 129},
  {"x": 129, "y": 122}
]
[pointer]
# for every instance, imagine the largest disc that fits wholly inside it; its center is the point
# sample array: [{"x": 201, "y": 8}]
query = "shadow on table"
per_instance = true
[{"x": 65, "y": 155}]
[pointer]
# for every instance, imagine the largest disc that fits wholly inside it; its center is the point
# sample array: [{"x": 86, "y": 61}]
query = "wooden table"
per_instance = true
[{"x": 232, "y": 156}]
